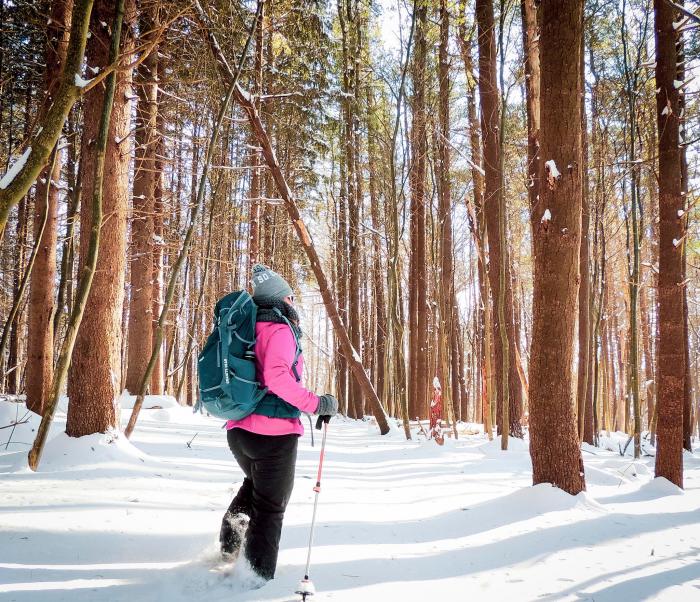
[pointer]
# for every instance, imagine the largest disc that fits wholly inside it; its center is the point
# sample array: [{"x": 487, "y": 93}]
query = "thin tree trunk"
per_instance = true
[
  {"x": 528, "y": 11},
  {"x": 418, "y": 308},
  {"x": 41, "y": 292},
  {"x": 584, "y": 292},
  {"x": 157, "y": 267},
  {"x": 494, "y": 209},
  {"x": 380, "y": 331},
  {"x": 142, "y": 228},
  {"x": 65, "y": 285},
  {"x": 12, "y": 368},
  {"x": 255, "y": 177},
  {"x": 449, "y": 326}
]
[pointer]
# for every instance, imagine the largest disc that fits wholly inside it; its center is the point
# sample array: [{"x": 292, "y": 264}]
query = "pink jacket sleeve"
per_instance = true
[{"x": 277, "y": 371}]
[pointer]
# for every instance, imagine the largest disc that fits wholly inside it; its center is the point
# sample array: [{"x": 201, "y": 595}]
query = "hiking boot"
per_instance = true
[{"x": 233, "y": 528}]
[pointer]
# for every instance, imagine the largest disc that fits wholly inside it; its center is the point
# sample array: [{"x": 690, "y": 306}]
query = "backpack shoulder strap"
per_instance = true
[{"x": 297, "y": 352}]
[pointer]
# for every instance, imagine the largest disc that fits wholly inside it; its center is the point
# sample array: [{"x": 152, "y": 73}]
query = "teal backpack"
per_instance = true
[{"x": 228, "y": 387}]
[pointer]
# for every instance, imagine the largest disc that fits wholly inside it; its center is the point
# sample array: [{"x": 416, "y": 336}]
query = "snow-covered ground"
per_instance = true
[{"x": 397, "y": 520}]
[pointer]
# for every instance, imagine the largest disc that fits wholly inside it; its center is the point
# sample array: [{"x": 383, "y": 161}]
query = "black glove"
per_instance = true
[{"x": 327, "y": 405}]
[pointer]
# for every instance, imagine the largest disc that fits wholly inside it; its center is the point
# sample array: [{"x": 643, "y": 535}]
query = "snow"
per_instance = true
[
  {"x": 15, "y": 168},
  {"x": 127, "y": 401},
  {"x": 676, "y": 242},
  {"x": 666, "y": 111},
  {"x": 106, "y": 519},
  {"x": 552, "y": 166},
  {"x": 546, "y": 216},
  {"x": 677, "y": 83},
  {"x": 681, "y": 213},
  {"x": 80, "y": 82}
]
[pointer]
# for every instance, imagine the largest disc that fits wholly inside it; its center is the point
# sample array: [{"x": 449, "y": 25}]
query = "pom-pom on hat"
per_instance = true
[{"x": 268, "y": 284}]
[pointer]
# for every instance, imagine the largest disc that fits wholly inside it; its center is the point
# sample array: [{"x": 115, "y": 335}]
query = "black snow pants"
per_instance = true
[{"x": 268, "y": 462}]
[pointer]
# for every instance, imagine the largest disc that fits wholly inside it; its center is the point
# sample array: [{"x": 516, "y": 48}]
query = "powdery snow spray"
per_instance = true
[{"x": 306, "y": 586}]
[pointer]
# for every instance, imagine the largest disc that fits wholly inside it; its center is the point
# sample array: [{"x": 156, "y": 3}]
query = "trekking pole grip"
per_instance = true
[{"x": 321, "y": 420}]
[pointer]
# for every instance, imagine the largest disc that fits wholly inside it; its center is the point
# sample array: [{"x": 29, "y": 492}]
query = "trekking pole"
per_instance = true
[{"x": 306, "y": 586}]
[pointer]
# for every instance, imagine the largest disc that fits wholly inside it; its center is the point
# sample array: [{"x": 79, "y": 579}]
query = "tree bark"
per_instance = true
[
  {"x": 418, "y": 308},
  {"x": 157, "y": 275},
  {"x": 381, "y": 331},
  {"x": 42, "y": 306},
  {"x": 256, "y": 175},
  {"x": 494, "y": 212},
  {"x": 584, "y": 292},
  {"x": 142, "y": 230},
  {"x": 531, "y": 50},
  {"x": 556, "y": 229},
  {"x": 12, "y": 368},
  {"x": 95, "y": 373},
  {"x": 449, "y": 323},
  {"x": 671, "y": 350}
]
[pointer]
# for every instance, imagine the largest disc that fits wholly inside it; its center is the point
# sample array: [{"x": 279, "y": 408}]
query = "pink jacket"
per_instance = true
[{"x": 274, "y": 355}]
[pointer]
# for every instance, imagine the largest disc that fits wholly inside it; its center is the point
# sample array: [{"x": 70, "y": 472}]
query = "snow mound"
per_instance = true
[
  {"x": 150, "y": 402},
  {"x": 597, "y": 476},
  {"x": 622, "y": 468},
  {"x": 18, "y": 426},
  {"x": 660, "y": 487},
  {"x": 544, "y": 498},
  {"x": 63, "y": 452},
  {"x": 492, "y": 449}
]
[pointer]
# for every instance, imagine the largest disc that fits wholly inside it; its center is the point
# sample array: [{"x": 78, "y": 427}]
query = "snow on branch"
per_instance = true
[{"x": 15, "y": 168}]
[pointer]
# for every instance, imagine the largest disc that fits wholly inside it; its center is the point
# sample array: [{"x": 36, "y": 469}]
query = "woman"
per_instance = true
[{"x": 265, "y": 443}]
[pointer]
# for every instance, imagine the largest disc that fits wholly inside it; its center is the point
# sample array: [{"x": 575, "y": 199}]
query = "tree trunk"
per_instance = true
[
  {"x": 41, "y": 292},
  {"x": 418, "y": 309},
  {"x": 449, "y": 323},
  {"x": 64, "y": 298},
  {"x": 255, "y": 177},
  {"x": 556, "y": 230},
  {"x": 584, "y": 292},
  {"x": 531, "y": 50},
  {"x": 142, "y": 232},
  {"x": 671, "y": 350},
  {"x": 12, "y": 368},
  {"x": 94, "y": 377},
  {"x": 157, "y": 274},
  {"x": 380, "y": 332},
  {"x": 494, "y": 212}
]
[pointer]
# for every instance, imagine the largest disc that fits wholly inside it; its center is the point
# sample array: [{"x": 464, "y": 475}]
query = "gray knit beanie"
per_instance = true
[{"x": 268, "y": 284}]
